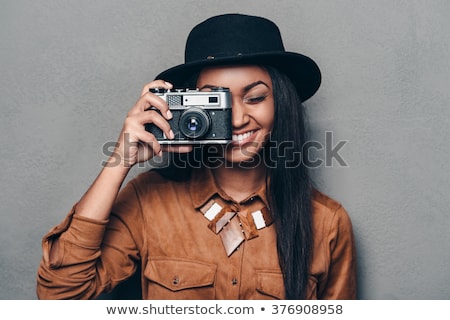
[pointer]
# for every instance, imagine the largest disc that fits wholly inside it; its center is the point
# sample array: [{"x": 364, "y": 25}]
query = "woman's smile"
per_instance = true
[{"x": 242, "y": 138}]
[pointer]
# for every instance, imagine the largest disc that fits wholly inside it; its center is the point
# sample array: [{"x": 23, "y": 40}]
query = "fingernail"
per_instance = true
[
  {"x": 168, "y": 84},
  {"x": 160, "y": 153},
  {"x": 169, "y": 114},
  {"x": 171, "y": 134}
]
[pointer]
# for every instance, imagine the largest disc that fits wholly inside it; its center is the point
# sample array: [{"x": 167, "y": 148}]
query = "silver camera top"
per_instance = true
[{"x": 217, "y": 97}]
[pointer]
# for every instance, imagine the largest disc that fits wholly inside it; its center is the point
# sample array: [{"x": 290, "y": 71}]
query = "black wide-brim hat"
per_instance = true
[{"x": 236, "y": 39}]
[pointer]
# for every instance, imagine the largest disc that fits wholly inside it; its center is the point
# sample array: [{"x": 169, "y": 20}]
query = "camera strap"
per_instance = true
[{"x": 234, "y": 227}]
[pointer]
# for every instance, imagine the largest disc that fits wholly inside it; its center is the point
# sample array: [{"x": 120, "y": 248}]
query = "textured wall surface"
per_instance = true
[{"x": 70, "y": 70}]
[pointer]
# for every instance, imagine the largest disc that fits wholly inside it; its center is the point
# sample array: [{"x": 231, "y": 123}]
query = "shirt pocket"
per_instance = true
[
  {"x": 269, "y": 285},
  {"x": 174, "y": 279}
]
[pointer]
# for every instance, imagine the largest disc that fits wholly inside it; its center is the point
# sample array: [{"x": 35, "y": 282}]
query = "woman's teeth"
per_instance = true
[{"x": 240, "y": 137}]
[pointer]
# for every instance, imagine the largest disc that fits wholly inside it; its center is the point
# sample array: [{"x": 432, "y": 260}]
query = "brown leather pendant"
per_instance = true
[
  {"x": 234, "y": 227},
  {"x": 232, "y": 236},
  {"x": 217, "y": 224},
  {"x": 248, "y": 225}
]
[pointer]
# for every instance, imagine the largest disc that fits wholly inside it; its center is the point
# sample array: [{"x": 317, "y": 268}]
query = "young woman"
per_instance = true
[{"x": 234, "y": 221}]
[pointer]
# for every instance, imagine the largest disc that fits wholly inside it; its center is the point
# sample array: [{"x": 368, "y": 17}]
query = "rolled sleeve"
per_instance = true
[
  {"x": 81, "y": 242},
  {"x": 70, "y": 250}
]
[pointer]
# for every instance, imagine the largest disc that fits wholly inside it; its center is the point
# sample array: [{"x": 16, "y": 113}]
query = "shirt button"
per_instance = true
[
  {"x": 175, "y": 281},
  {"x": 234, "y": 281}
]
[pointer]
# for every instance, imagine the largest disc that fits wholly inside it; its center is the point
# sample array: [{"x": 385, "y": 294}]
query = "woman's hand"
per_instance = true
[{"x": 135, "y": 144}]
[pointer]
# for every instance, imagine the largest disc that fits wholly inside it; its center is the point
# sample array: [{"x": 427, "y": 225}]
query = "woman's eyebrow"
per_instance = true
[
  {"x": 209, "y": 86},
  {"x": 246, "y": 89}
]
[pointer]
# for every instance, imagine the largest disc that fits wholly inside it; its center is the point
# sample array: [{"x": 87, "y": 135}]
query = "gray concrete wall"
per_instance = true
[{"x": 70, "y": 70}]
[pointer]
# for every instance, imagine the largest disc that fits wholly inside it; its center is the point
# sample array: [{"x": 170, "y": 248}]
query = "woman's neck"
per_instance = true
[{"x": 239, "y": 182}]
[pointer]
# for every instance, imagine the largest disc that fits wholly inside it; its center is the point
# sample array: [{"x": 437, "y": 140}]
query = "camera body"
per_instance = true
[{"x": 199, "y": 117}]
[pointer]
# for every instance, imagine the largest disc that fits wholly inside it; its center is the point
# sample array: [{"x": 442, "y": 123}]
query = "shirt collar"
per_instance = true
[{"x": 203, "y": 187}]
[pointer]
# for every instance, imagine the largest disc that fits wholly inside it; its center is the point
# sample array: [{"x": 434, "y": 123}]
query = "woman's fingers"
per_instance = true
[
  {"x": 176, "y": 148},
  {"x": 153, "y": 118},
  {"x": 149, "y": 100},
  {"x": 139, "y": 144}
]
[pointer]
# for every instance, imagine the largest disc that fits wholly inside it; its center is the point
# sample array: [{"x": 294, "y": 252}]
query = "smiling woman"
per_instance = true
[{"x": 242, "y": 221}]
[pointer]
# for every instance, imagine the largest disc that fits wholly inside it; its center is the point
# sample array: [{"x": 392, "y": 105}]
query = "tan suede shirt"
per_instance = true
[{"x": 157, "y": 223}]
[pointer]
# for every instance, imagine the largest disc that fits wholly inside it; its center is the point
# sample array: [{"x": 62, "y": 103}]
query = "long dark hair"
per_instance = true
[{"x": 289, "y": 187}]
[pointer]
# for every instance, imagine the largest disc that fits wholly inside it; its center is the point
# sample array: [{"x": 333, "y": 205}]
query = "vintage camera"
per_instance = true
[{"x": 199, "y": 117}]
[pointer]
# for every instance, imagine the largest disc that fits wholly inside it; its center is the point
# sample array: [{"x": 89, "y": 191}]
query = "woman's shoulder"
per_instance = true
[
  {"x": 166, "y": 174},
  {"x": 326, "y": 207},
  {"x": 156, "y": 179},
  {"x": 328, "y": 214},
  {"x": 150, "y": 176},
  {"x": 323, "y": 201}
]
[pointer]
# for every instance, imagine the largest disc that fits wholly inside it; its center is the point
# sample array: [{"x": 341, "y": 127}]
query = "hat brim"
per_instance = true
[{"x": 302, "y": 70}]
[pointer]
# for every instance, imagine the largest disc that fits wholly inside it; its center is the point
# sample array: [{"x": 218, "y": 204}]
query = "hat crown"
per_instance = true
[
  {"x": 243, "y": 39},
  {"x": 231, "y": 35}
]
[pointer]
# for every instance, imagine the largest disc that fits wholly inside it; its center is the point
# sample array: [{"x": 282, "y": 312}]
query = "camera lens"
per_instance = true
[{"x": 194, "y": 123}]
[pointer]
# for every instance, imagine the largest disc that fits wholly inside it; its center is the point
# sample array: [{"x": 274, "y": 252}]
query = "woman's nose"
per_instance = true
[{"x": 239, "y": 114}]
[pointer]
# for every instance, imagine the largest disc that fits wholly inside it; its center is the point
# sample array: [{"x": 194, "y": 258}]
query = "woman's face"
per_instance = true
[{"x": 252, "y": 107}]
